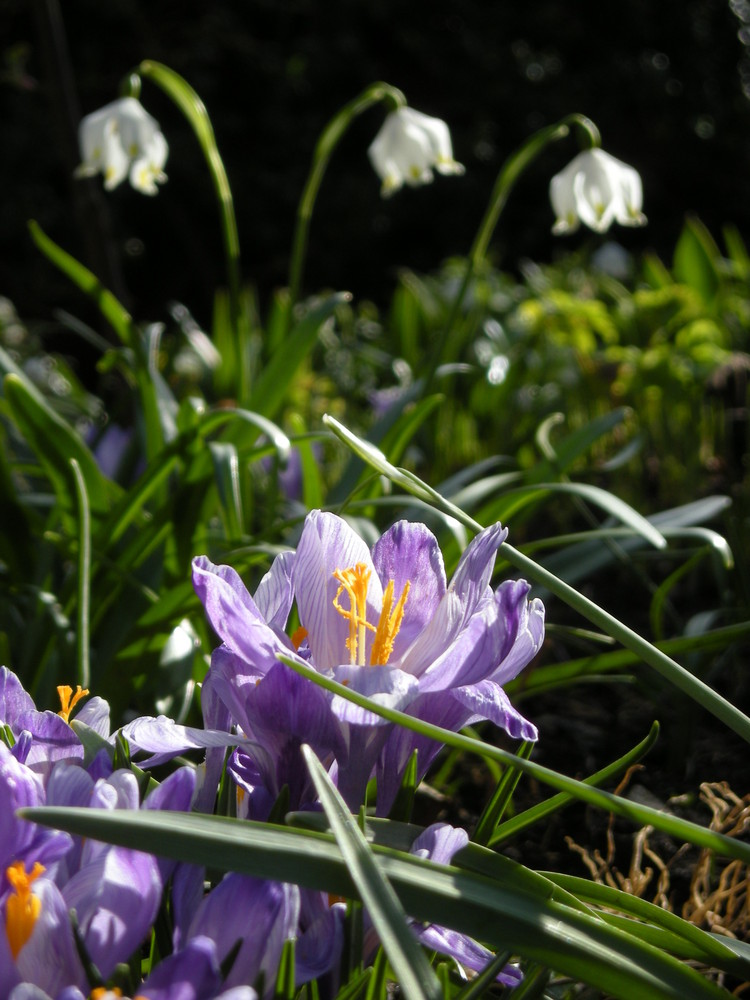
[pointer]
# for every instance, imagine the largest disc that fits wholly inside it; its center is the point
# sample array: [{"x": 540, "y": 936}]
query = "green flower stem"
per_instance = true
[
  {"x": 193, "y": 108},
  {"x": 509, "y": 174},
  {"x": 326, "y": 144}
]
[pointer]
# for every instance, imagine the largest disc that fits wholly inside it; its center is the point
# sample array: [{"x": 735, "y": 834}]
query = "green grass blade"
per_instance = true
[
  {"x": 272, "y": 383},
  {"x": 513, "y": 826},
  {"x": 84, "y": 575},
  {"x": 405, "y": 954},
  {"x": 522, "y": 915},
  {"x": 55, "y": 444},
  {"x": 113, "y": 311}
]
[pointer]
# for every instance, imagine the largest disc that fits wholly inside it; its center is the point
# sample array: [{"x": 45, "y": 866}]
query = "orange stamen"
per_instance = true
[
  {"x": 354, "y": 581},
  {"x": 388, "y": 625},
  {"x": 68, "y": 700},
  {"x": 298, "y": 636},
  {"x": 22, "y": 908}
]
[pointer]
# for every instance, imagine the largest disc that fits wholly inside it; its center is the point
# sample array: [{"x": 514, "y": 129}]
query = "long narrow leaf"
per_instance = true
[
  {"x": 404, "y": 953},
  {"x": 529, "y": 923}
]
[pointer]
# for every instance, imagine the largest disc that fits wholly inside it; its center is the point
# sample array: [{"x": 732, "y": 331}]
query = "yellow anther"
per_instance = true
[
  {"x": 68, "y": 700},
  {"x": 102, "y": 993},
  {"x": 22, "y": 908},
  {"x": 354, "y": 581},
  {"x": 388, "y": 624}
]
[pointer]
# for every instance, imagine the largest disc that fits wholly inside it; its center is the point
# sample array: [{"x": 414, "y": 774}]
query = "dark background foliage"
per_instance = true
[{"x": 664, "y": 82}]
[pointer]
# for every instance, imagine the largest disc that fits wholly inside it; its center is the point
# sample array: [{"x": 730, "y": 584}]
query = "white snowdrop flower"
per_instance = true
[
  {"x": 597, "y": 190},
  {"x": 122, "y": 140},
  {"x": 408, "y": 147}
]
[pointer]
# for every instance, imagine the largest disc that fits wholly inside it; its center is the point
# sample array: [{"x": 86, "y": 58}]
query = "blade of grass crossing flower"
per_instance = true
[
  {"x": 501, "y": 913},
  {"x": 84, "y": 575},
  {"x": 406, "y": 956},
  {"x": 521, "y": 821},
  {"x": 642, "y": 815},
  {"x": 495, "y": 808},
  {"x": 677, "y": 675}
]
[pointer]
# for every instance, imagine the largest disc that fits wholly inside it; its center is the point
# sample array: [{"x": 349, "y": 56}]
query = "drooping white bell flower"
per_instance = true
[
  {"x": 407, "y": 148},
  {"x": 597, "y": 190},
  {"x": 121, "y": 140}
]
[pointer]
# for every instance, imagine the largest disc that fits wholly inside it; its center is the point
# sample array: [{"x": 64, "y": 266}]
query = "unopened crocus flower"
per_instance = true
[
  {"x": 122, "y": 140},
  {"x": 596, "y": 189},
  {"x": 407, "y": 148}
]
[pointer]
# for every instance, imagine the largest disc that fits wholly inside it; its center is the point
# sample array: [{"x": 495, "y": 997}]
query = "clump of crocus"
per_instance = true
[
  {"x": 122, "y": 140},
  {"x": 407, "y": 148},
  {"x": 596, "y": 189}
]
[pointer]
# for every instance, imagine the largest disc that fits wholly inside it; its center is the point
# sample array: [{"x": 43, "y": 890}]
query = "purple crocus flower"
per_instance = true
[{"x": 387, "y": 624}]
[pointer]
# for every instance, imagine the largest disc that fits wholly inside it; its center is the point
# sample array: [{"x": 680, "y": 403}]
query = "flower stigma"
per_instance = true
[
  {"x": 22, "y": 908},
  {"x": 68, "y": 700},
  {"x": 354, "y": 582}
]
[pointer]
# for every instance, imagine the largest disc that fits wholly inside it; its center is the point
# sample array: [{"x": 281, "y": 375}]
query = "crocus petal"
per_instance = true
[
  {"x": 163, "y": 738},
  {"x": 191, "y": 974},
  {"x": 116, "y": 898},
  {"x": 318, "y": 948},
  {"x": 53, "y": 740},
  {"x": 274, "y": 594},
  {"x": 264, "y": 915},
  {"x": 327, "y": 544},
  {"x": 523, "y": 623},
  {"x": 464, "y": 950},
  {"x": 21, "y": 840},
  {"x": 439, "y": 842},
  {"x": 386, "y": 686},
  {"x": 487, "y": 700},
  {"x": 409, "y": 554},
  {"x": 234, "y": 615},
  {"x": 474, "y": 570},
  {"x": 95, "y": 715},
  {"x": 50, "y": 958},
  {"x": 13, "y": 698}
]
